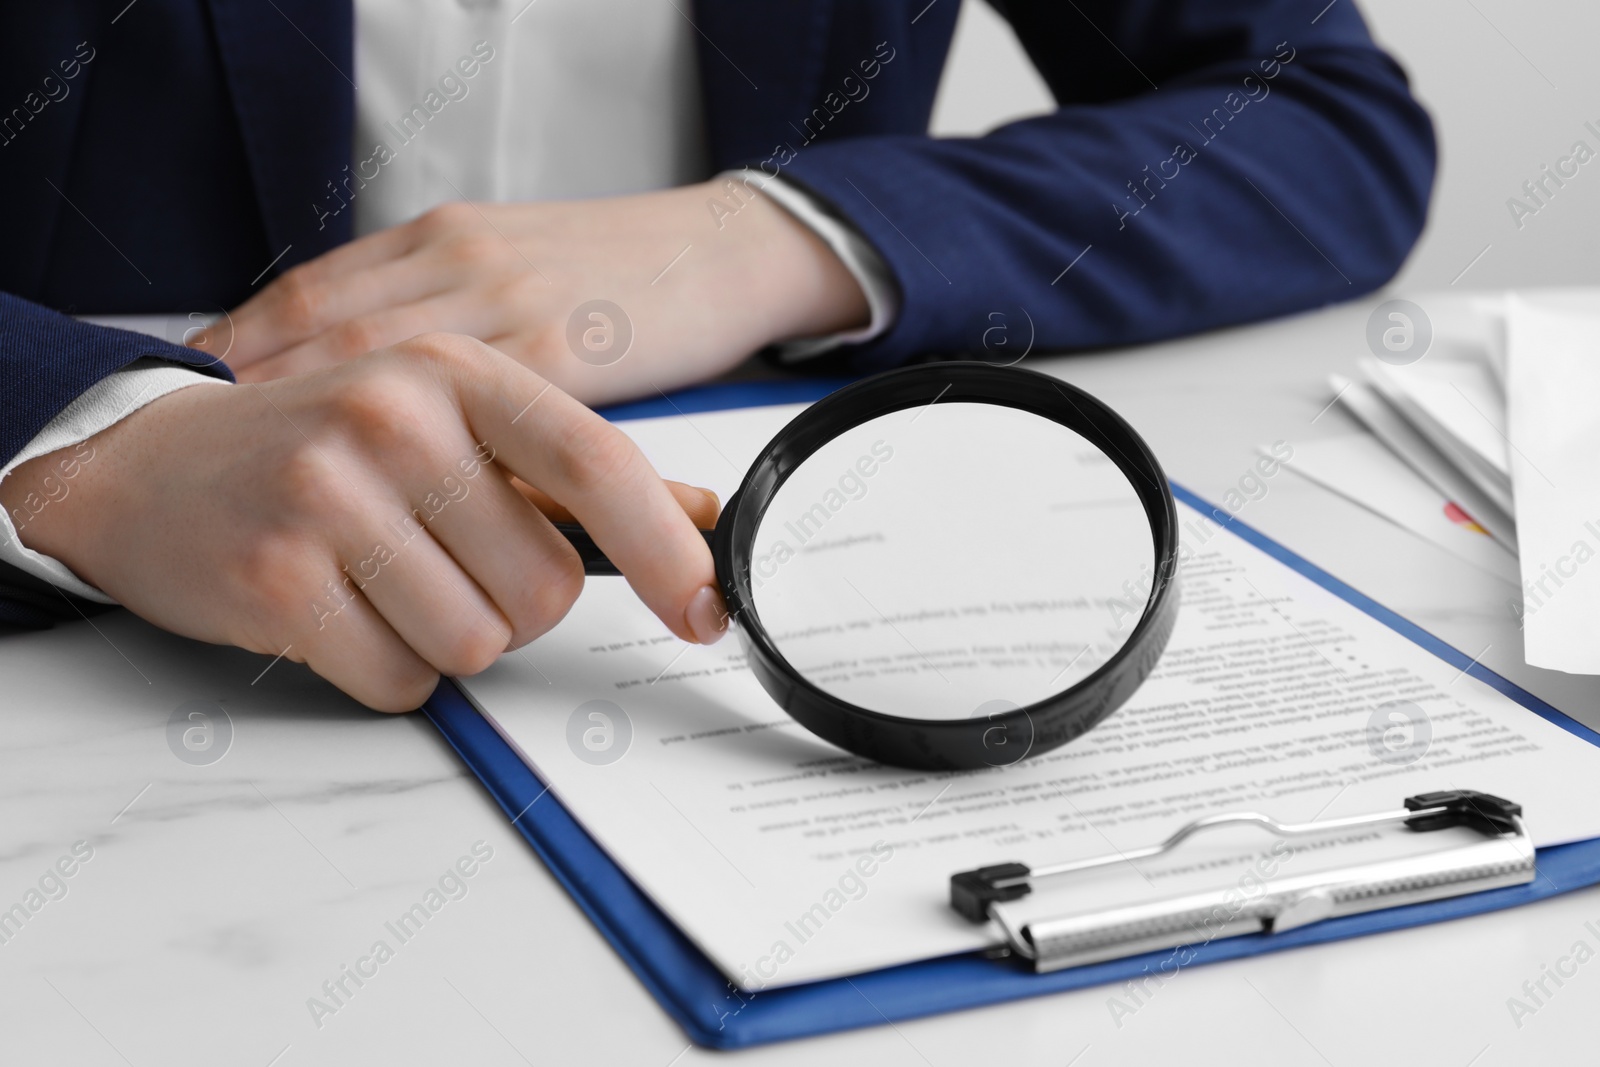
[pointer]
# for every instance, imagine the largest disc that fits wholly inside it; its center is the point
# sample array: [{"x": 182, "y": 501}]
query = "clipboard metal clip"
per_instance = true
[{"x": 1504, "y": 856}]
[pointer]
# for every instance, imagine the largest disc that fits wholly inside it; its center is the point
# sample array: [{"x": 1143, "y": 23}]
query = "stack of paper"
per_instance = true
[
  {"x": 1507, "y": 436},
  {"x": 1445, "y": 416}
]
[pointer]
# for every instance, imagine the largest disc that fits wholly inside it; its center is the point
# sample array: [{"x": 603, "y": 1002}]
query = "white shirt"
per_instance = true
[
  {"x": 503, "y": 100},
  {"x": 567, "y": 98}
]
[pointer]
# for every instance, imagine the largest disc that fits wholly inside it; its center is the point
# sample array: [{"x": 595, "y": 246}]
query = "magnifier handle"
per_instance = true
[{"x": 594, "y": 560}]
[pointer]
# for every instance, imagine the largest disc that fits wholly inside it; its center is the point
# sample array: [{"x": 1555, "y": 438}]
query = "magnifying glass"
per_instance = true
[{"x": 948, "y": 566}]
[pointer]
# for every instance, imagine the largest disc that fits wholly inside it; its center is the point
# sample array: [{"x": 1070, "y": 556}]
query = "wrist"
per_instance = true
[
  {"x": 780, "y": 264},
  {"x": 40, "y": 496},
  {"x": 61, "y": 504}
]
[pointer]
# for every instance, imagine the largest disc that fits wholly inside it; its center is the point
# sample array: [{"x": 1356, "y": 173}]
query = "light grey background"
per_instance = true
[{"x": 1509, "y": 84}]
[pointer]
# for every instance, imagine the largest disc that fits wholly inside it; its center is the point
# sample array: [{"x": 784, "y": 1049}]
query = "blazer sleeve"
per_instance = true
[
  {"x": 1210, "y": 162},
  {"x": 47, "y": 360}
]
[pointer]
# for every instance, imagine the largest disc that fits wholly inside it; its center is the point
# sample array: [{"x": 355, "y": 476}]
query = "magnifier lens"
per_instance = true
[
  {"x": 949, "y": 565},
  {"x": 952, "y": 561}
]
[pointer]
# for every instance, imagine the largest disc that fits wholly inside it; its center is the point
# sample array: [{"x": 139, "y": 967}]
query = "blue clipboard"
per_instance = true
[{"x": 714, "y": 1013}]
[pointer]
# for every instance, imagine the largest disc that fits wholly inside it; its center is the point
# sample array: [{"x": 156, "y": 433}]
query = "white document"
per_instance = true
[
  {"x": 1554, "y": 393},
  {"x": 1358, "y": 467},
  {"x": 1491, "y": 314},
  {"x": 788, "y": 860}
]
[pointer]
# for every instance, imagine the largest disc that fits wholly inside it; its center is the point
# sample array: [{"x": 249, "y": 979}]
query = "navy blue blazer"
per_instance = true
[{"x": 1210, "y": 162}]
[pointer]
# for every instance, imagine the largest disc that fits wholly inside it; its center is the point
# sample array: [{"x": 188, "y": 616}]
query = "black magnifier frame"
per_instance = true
[{"x": 1000, "y": 739}]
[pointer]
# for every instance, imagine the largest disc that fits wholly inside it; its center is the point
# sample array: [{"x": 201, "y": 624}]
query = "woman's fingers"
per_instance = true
[
  {"x": 596, "y": 472},
  {"x": 701, "y": 505},
  {"x": 356, "y": 649},
  {"x": 460, "y": 311},
  {"x": 352, "y": 281},
  {"x": 508, "y": 548},
  {"x": 426, "y": 596}
]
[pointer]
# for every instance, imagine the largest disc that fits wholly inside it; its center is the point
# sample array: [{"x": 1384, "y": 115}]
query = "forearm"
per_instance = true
[
  {"x": 797, "y": 273},
  {"x": 1211, "y": 201}
]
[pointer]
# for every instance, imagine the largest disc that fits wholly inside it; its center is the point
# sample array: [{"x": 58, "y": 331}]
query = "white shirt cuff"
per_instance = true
[
  {"x": 853, "y": 250},
  {"x": 107, "y": 402}
]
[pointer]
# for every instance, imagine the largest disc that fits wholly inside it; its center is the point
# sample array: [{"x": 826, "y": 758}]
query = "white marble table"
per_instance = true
[{"x": 220, "y": 897}]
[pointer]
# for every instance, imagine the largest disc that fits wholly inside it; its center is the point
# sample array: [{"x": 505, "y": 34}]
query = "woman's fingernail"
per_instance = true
[{"x": 707, "y": 616}]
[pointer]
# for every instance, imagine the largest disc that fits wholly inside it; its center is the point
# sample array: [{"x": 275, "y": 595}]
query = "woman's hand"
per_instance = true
[
  {"x": 362, "y": 519},
  {"x": 692, "y": 290}
]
